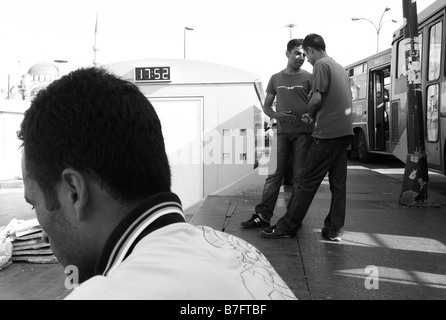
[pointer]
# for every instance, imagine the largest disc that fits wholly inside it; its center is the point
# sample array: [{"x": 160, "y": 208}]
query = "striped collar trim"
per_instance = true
[{"x": 127, "y": 232}]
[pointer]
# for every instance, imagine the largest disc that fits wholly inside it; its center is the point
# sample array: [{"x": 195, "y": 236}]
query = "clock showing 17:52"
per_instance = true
[{"x": 155, "y": 74}]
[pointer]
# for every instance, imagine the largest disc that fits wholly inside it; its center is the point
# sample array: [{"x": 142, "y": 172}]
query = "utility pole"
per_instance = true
[
  {"x": 416, "y": 175},
  {"x": 96, "y": 47}
]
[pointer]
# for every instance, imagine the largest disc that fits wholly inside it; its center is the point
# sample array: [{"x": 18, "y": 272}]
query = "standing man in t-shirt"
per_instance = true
[
  {"x": 330, "y": 108},
  {"x": 290, "y": 88}
]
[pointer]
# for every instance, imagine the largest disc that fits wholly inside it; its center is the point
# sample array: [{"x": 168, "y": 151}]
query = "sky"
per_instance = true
[{"x": 245, "y": 34}]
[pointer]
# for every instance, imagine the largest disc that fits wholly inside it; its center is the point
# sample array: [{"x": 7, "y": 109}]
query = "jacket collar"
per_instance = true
[{"x": 156, "y": 212}]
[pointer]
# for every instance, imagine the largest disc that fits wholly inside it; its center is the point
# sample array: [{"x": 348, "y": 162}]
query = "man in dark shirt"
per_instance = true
[{"x": 290, "y": 88}]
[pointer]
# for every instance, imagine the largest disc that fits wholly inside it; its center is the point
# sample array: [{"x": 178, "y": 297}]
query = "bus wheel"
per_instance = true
[{"x": 363, "y": 153}]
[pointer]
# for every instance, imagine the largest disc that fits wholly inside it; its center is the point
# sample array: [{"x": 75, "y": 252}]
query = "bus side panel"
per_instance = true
[
  {"x": 398, "y": 112},
  {"x": 360, "y": 119},
  {"x": 398, "y": 119},
  {"x": 443, "y": 122},
  {"x": 359, "y": 113}
]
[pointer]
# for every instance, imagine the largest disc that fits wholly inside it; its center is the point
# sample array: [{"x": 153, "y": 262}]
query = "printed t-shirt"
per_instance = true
[{"x": 292, "y": 95}]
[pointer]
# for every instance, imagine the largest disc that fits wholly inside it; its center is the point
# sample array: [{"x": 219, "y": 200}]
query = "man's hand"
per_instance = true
[
  {"x": 285, "y": 116},
  {"x": 310, "y": 95},
  {"x": 307, "y": 119}
]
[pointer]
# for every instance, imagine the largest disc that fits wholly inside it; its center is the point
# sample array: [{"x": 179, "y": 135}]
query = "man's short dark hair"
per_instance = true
[
  {"x": 314, "y": 41},
  {"x": 94, "y": 122},
  {"x": 293, "y": 43}
]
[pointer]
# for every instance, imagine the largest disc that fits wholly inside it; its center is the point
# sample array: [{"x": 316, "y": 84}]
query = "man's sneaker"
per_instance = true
[
  {"x": 274, "y": 233},
  {"x": 255, "y": 222},
  {"x": 326, "y": 235},
  {"x": 335, "y": 239}
]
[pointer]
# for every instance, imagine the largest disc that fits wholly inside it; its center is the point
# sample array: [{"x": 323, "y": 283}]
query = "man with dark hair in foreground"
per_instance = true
[{"x": 96, "y": 172}]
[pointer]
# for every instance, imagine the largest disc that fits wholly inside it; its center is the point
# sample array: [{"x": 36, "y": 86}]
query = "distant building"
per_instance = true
[
  {"x": 39, "y": 76},
  {"x": 26, "y": 87}
]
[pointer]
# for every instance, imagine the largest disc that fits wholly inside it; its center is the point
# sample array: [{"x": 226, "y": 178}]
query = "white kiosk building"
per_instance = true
[{"x": 211, "y": 116}]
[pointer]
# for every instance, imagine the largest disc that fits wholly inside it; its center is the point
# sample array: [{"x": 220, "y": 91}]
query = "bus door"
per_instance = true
[
  {"x": 379, "y": 104},
  {"x": 432, "y": 94}
]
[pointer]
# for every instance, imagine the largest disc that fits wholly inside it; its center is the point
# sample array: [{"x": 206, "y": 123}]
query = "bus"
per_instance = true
[
  {"x": 432, "y": 38},
  {"x": 379, "y": 91},
  {"x": 370, "y": 86}
]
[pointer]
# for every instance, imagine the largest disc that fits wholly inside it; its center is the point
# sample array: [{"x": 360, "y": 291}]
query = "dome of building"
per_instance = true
[{"x": 44, "y": 68}]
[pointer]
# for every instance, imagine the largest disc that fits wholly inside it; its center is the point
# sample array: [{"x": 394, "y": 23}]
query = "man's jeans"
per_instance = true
[
  {"x": 324, "y": 156},
  {"x": 286, "y": 144}
]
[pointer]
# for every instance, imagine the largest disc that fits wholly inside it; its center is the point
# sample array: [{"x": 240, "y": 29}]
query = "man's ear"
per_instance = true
[
  {"x": 75, "y": 190},
  {"x": 287, "y": 54}
]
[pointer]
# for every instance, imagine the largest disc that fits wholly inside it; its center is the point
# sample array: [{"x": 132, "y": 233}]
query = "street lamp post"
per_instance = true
[
  {"x": 185, "y": 29},
  {"x": 291, "y": 26},
  {"x": 377, "y": 28}
]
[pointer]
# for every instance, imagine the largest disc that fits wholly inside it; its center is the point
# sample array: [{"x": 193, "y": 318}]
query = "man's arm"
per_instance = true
[
  {"x": 313, "y": 107},
  {"x": 315, "y": 104},
  {"x": 267, "y": 106}
]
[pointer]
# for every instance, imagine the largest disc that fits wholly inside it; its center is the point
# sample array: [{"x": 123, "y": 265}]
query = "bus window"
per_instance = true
[
  {"x": 358, "y": 86},
  {"x": 401, "y": 63},
  {"x": 432, "y": 113},
  {"x": 379, "y": 86},
  {"x": 435, "y": 51},
  {"x": 358, "y": 81}
]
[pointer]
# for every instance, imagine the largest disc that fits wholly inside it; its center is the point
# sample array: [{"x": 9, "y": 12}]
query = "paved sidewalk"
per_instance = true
[{"x": 404, "y": 247}]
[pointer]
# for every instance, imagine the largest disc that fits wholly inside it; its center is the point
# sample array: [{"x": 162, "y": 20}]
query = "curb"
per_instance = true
[{"x": 11, "y": 184}]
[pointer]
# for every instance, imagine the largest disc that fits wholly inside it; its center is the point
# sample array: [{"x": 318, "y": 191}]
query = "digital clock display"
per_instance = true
[{"x": 148, "y": 74}]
